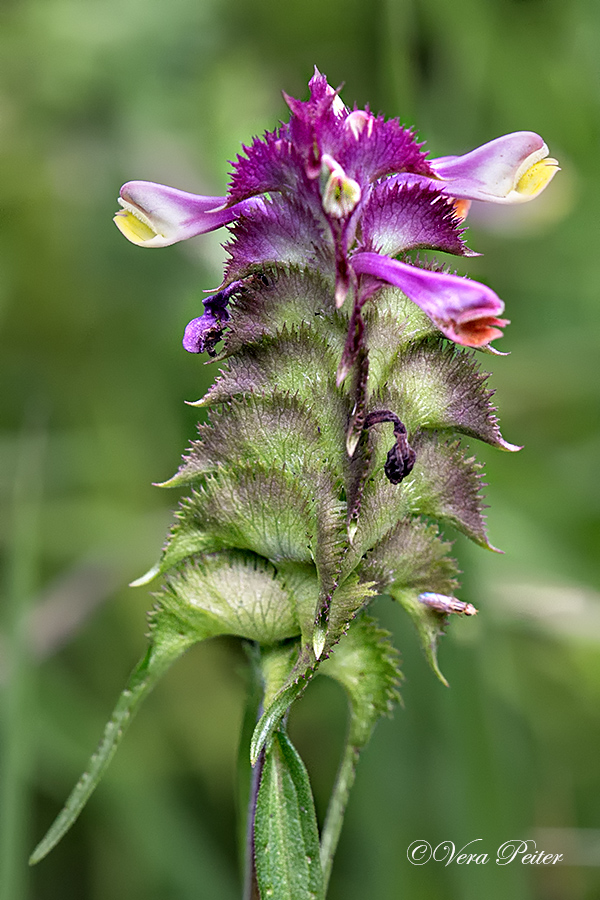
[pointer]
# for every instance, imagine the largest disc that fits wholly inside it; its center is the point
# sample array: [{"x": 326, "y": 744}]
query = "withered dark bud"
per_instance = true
[{"x": 401, "y": 457}]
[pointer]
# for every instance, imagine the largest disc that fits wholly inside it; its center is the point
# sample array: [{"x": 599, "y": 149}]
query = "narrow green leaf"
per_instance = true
[
  {"x": 143, "y": 678},
  {"x": 287, "y": 854},
  {"x": 347, "y": 600}
]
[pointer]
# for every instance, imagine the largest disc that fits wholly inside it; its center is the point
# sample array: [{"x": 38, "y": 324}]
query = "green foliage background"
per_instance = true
[{"x": 93, "y": 94}]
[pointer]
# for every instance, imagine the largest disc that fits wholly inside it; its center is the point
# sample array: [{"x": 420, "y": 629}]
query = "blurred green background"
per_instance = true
[{"x": 97, "y": 92}]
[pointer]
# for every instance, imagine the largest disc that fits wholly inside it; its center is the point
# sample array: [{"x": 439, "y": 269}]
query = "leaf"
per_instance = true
[
  {"x": 408, "y": 561},
  {"x": 444, "y": 485},
  {"x": 288, "y": 865},
  {"x": 161, "y": 654},
  {"x": 273, "y": 430},
  {"x": 366, "y": 665},
  {"x": 412, "y": 556},
  {"x": 282, "y": 231},
  {"x": 278, "y": 300},
  {"x": 267, "y": 512},
  {"x": 298, "y": 361},
  {"x": 400, "y": 217},
  {"x": 300, "y": 674},
  {"x": 393, "y": 324}
]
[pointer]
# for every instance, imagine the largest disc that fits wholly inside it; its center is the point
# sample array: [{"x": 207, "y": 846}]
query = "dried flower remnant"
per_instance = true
[
  {"x": 299, "y": 511},
  {"x": 401, "y": 457},
  {"x": 447, "y": 604}
]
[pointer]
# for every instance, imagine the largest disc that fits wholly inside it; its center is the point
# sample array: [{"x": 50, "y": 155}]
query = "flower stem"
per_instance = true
[
  {"x": 251, "y": 890},
  {"x": 337, "y": 807},
  {"x": 248, "y": 777}
]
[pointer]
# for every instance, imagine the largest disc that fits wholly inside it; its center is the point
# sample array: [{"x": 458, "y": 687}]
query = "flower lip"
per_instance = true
[
  {"x": 474, "y": 331},
  {"x": 513, "y": 168},
  {"x": 534, "y": 179},
  {"x": 155, "y": 215},
  {"x": 134, "y": 224}
]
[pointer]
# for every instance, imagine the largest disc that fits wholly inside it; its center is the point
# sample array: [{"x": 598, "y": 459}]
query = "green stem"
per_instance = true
[
  {"x": 337, "y": 807},
  {"x": 248, "y": 776},
  {"x": 251, "y": 889}
]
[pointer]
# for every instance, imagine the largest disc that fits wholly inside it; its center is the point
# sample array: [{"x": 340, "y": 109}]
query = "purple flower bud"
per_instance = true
[{"x": 206, "y": 331}]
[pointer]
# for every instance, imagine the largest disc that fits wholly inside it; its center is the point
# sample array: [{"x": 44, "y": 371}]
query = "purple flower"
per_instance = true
[
  {"x": 347, "y": 192},
  {"x": 511, "y": 169},
  {"x": 154, "y": 215},
  {"x": 465, "y": 311}
]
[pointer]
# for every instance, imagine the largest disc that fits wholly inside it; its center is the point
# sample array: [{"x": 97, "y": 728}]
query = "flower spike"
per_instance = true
[{"x": 299, "y": 511}]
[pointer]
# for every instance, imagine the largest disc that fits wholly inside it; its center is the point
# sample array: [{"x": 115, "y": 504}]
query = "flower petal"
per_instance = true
[
  {"x": 154, "y": 215},
  {"x": 465, "y": 311},
  {"x": 510, "y": 169}
]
